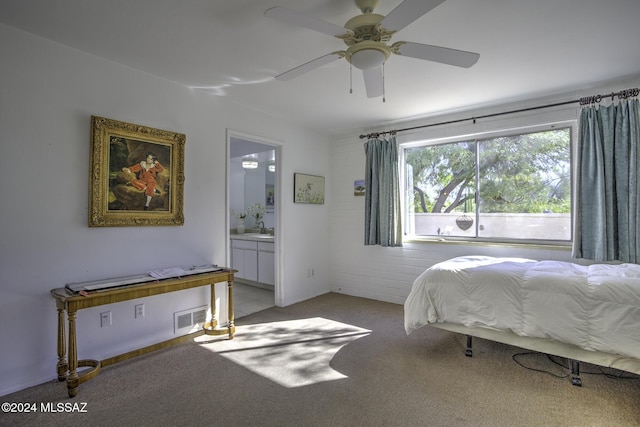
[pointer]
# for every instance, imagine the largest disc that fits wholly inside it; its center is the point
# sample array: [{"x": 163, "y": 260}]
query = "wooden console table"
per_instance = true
[{"x": 71, "y": 302}]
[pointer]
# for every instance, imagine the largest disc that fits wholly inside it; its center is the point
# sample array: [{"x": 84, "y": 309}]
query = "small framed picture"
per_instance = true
[
  {"x": 358, "y": 187},
  {"x": 308, "y": 189}
]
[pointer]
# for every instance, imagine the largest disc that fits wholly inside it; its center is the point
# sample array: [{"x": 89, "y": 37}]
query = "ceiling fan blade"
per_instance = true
[
  {"x": 311, "y": 65},
  {"x": 293, "y": 17},
  {"x": 407, "y": 12},
  {"x": 444, "y": 55},
  {"x": 373, "y": 81}
]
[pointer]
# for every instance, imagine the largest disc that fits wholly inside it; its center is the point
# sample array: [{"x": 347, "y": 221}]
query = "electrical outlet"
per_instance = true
[
  {"x": 139, "y": 311},
  {"x": 105, "y": 319}
]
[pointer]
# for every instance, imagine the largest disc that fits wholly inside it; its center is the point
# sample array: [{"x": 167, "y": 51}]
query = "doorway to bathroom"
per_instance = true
[{"x": 253, "y": 220}]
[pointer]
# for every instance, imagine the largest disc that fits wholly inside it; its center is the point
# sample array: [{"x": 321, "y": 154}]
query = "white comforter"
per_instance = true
[{"x": 594, "y": 307}]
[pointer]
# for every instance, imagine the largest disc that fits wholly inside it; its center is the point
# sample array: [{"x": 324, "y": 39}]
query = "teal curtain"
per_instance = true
[
  {"x": 382, "y": 193},
  {"x": 606, "y": 226}
]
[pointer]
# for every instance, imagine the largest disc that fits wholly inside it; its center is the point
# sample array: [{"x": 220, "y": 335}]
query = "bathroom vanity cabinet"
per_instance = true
[{"x": 253, "y": 256}]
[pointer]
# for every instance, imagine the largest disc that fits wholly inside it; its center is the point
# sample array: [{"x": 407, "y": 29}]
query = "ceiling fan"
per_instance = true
[{"x": 367, "y": 37}]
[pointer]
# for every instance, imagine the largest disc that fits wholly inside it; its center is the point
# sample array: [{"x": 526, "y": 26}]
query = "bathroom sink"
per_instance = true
[{"x": 252, "y": 236}]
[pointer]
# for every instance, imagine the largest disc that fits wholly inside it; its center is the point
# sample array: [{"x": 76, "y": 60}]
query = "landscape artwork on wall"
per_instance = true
[{"x": 308, "y": 189}]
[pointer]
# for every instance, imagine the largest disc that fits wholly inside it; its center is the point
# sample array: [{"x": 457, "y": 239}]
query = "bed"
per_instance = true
[{"x": 583, "y": 313}]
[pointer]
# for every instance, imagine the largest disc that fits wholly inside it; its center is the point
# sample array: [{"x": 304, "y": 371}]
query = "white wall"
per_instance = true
[
  {"x": 387, "y": 274},
  {"x": 47, "y": 94}
]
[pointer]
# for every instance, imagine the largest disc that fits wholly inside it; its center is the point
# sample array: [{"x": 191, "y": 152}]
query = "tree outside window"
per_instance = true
[{"x": 506, "y": 187}]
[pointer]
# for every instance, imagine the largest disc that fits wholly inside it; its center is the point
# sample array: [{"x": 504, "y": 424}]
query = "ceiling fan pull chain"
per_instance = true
[
  {"x": 350, "y": 78},
  {"x": 384, "y": 98}
]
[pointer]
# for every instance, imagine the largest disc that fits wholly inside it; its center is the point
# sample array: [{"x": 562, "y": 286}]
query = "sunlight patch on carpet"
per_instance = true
[{"x": 292, "y": 353}]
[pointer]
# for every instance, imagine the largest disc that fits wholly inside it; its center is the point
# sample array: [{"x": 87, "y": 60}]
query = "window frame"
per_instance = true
[{"x": 572, "y": 125}]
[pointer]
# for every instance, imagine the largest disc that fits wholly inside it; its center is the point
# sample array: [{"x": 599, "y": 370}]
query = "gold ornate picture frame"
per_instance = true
[{"x": 136, "y": 176}]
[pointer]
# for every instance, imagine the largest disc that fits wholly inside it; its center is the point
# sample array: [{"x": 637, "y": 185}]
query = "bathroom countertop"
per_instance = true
[{"x": 256, "y": 237}]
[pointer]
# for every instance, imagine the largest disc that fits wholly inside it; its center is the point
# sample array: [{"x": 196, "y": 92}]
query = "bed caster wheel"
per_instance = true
[{"x": 576, "y": 381}]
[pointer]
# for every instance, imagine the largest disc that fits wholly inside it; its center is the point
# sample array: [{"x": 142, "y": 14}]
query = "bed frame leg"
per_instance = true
[
  {"x": 469, "y": 351},
  {"x": 575, "y": 373}
]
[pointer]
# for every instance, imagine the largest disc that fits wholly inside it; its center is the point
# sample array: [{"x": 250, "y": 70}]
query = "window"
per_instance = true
[{"x": 499, "y": 188}]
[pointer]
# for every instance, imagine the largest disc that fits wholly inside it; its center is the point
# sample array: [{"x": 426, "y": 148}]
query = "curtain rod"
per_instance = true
[{"x": 623, "y": 94}]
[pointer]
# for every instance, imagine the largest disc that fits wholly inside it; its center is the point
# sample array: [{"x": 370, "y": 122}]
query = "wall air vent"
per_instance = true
[
  {"x": 184, "y": 321},
  {"x": 191, "y": 320},
  {"x": 200, "y": 316}
]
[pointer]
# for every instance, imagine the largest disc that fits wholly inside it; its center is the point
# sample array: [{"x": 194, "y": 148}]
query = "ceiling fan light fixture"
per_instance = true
[
  {"x": 368, "y": 54},
  {"x": 366, "y": 59}
]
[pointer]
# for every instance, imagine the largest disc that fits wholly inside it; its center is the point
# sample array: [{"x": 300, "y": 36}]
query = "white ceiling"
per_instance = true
[{"x": 528, "y": 49}]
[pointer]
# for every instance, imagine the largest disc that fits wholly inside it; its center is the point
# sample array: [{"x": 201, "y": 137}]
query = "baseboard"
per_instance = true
[{"x": 254, "y": 284}]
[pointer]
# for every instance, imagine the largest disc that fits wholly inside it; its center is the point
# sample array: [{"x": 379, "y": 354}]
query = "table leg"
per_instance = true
[
  {"x": 230, "y": 309},
  {"x": 62, "y": 366},
  {"x": 214, "y": 312},
  {"x": 73, "y": 380}
]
